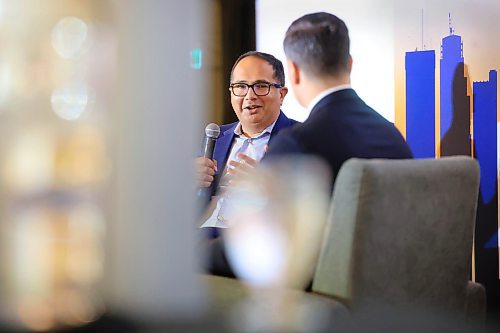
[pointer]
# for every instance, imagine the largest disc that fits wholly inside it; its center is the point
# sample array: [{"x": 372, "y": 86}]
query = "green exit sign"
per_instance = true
[{"x": 196, "y": 58}]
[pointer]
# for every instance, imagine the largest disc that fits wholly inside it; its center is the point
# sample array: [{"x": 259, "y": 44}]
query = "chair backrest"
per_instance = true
[{"x": 400, "y": 232}]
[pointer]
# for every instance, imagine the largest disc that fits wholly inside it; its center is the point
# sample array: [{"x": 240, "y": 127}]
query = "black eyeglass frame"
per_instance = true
[{"x": 269, "y": 85}]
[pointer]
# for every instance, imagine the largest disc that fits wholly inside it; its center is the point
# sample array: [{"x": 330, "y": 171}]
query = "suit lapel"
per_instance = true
[
  {"x": 281, "y": 123},
  {"x": 221, "y": 151}
]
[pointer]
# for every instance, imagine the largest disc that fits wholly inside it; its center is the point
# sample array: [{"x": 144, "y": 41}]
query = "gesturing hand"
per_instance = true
[{"x": 241, "y": 167}]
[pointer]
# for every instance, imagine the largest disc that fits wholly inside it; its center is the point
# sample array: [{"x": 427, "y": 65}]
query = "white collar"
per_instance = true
[
  {"x": 238, "y": 131},
  {"x": 325, "y": 93}
]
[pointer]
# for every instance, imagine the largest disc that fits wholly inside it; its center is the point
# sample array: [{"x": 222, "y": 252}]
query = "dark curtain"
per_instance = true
[{"x": 238, "y": 37}]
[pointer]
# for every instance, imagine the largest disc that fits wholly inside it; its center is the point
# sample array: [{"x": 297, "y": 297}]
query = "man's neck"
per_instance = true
[
  {"x": 252, "y": 132},
  {"x": 313, "y": 87}
]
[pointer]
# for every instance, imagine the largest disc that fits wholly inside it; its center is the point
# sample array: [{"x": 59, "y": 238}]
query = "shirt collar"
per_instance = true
[
  {"x": 325, "y": 93},
  {"x": 239, "y": 132}
]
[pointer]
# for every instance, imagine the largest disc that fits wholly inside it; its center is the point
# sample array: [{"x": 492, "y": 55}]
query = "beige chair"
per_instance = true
[{"x": 400, "y": 234}]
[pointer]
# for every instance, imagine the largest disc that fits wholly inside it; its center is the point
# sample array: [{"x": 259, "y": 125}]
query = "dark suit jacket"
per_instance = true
[{"x": 342, "y": 126}]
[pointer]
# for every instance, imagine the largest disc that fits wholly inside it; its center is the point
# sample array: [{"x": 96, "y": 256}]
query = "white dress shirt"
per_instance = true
[{"x": 325, "y": 93}]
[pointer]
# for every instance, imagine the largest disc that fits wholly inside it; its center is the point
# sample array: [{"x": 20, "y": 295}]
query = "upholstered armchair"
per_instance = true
[{"x": 400, "y": 233}]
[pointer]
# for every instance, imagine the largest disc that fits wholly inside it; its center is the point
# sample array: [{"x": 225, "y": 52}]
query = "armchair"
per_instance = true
[{"x": 400, "y": 233}]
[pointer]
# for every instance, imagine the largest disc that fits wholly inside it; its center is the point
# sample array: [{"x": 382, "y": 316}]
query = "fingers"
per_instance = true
[
  {"x": 205, "y": 171},
  {"x": 204, "y": 179},
  {"x": 237, "y": 169},
  {"x": 247, "y": 160},
  {"x": 242, "y": 166},
  {"x": 206, "y": 162}
]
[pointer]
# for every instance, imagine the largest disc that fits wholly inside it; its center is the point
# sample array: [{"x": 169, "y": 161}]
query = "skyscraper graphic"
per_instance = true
[
  {"x": 454, "y": 100},
  {"x": 485, "y": 151},
  {"x": 485, "y": 134},
  {"x": 451, "y": 57},
  {"x": 456, "y": 116},
  {"x": 420, "y": 102}
]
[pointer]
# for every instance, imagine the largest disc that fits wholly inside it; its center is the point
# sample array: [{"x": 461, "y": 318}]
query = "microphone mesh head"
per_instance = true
[{"x": 212, "y": 130}]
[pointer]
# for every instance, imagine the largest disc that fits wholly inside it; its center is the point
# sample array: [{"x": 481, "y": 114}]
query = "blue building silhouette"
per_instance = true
[
  {"x": 456, "y": 116},
  {"x": 455, "y": 108},
  {"x": 451, "y": 57},
  {"x": 485, "y": 133},
  {"x": 420, "y": 69}
]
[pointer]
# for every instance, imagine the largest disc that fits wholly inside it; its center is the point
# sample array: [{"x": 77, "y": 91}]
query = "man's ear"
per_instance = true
[
  {"x": 349, "y": 64},
  {"x": 283, "y": 92},
  {"x": 293, "y": 72}
]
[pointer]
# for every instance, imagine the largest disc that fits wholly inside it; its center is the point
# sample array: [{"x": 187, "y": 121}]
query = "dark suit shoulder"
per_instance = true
[
  {"x": 225, "y": 127},
  {"x": 342, "y": 125},
  {"x": 283, "y": 121}
]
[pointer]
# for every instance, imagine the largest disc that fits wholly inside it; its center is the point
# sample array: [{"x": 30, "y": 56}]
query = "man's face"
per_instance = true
[{"x": 256, "y": 112}]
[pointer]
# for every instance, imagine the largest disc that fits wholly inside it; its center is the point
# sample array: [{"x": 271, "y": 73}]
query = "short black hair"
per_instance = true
[
  {"x": 319, "y": 44},
  {"x": 278, "y": 71}
]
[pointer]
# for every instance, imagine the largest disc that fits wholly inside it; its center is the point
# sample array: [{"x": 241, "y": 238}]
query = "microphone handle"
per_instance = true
[
  {"x": 208, "y": 152},
  {"x": 208, "y": 147}
]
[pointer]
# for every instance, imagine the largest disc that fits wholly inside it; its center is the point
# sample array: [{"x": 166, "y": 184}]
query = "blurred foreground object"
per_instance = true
[
  {"x": 278, "y": 215},
  {"x": 56, "y": 67},
  {"x": 96, "y": 202},
  {"x": 160, "y": 100}
]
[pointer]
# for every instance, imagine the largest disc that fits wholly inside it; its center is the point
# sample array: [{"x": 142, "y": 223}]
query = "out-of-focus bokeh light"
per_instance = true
[
  {"x": 5, "y": 80},
  {"x": 277, "y": 218},
  {"x": 81, "y": 158},
  {"x": 258, "y": 250},
  {"x": 55, "y": 259},
  {"x": 278, "y": 214},
  {"x": 36, "y": 315},
  {"x": 81, "y": 308},
  {"x": 70, "y": 102},
  {"x": 85, "y": 257},
  {"x": 53, "y": 173},
  {"x": 70, "y": 37},
  {"x": 28, "y": 161}
]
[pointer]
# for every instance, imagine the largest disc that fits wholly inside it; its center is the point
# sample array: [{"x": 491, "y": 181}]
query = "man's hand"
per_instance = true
[
  {"x": 205, "y": 171},
  {"x": 241, "y": 167}
]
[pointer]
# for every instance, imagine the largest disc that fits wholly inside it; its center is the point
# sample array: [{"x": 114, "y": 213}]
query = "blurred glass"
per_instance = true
[
  {"x": 96, "y": 144},
  {"x": 278, "y": 214},
  {"x": 54, "y": 161}
]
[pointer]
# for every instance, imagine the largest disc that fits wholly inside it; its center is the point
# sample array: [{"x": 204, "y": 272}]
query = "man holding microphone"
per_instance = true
[{"x": 257, "y": 91}]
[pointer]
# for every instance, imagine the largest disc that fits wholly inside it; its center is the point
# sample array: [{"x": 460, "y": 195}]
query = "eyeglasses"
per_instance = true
[{"x": 240, "y": 89}]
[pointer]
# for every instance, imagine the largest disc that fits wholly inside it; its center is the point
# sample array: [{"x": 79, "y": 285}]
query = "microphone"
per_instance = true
[{"x": 212, "y": 132}]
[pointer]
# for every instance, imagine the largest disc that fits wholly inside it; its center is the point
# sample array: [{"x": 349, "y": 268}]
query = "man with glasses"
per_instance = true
[{"x": 257, "y": 91}]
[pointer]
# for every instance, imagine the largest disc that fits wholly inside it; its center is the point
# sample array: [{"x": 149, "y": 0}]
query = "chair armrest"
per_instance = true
[{"x": 475, "y": 302}]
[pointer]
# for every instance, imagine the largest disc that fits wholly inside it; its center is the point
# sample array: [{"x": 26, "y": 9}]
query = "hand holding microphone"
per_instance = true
[{"x": 206, "y": 166}]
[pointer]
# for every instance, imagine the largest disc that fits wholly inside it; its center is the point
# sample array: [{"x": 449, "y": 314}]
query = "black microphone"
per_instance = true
[{"x": 212, "y": 132}]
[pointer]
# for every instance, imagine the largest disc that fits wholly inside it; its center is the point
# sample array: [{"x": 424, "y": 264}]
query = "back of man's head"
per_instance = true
[{"x": 319, "y": 44}]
